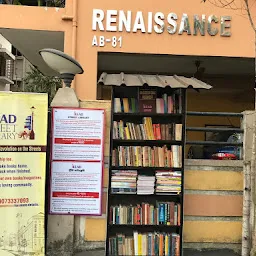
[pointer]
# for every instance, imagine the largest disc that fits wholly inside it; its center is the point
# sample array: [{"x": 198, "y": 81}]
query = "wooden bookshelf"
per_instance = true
[{"x": 148, "y": 139}]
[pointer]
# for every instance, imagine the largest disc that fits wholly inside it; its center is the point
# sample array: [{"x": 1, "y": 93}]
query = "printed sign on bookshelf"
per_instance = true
[
  {"x": 77, "y": 161},
  {"x": 147, "y": 100}
]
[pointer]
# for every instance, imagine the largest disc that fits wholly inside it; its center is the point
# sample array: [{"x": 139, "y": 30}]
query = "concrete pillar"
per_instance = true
[
  {"x": 249, "y": 117},
  {"x": 61, "y": 227}
]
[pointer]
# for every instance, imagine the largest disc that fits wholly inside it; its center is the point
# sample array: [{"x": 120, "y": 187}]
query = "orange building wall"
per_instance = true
[
  {"x": 239, "y": 44},
  {"x": 75, "y": 20}
]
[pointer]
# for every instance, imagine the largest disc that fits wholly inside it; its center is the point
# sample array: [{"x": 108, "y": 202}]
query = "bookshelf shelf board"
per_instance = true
[
  {"x": 144, "y": 225},
  {"x": 143, "y": 228},
  {"x": 120, "y": 142},
  {"x": 139, "y": 168},
  {"x": 143, "y": 195},
  {"x": 134, "y": 115}
]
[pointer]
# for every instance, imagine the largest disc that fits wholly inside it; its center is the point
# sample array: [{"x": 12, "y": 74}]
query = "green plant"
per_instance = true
[
  {"x": 35, "y": 81},
  {"x": 55, "y": 3},
  {"x": 14, "y": 2},
  {"x": 49, "y": 3}
]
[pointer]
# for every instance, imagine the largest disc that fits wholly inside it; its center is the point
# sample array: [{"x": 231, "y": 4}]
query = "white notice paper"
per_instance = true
[
  {"x": 77, "y": 134},
  {"x": 76, "y": 188}
]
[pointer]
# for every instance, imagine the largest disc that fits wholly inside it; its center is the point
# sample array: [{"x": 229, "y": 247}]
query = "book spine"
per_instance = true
[{"x": 161, "y": 213}]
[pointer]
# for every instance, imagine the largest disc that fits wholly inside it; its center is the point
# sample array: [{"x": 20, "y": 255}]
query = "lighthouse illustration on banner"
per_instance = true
[{"x": 29, "y": 132}]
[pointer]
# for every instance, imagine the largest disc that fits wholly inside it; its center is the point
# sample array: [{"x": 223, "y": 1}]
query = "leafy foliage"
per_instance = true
[
  {"x": 50, "y": 3},
  {"x": 35, "y": 81}
]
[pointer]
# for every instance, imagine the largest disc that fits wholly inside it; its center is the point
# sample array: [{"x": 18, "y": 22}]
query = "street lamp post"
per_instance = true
[
  {"x": 62, "y": 63},
  {"x": 67, "y": 68}
]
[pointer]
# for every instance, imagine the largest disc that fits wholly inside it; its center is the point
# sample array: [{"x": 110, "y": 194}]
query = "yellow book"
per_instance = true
[
  {"x": 126, "y": 105},
  {"x": 128, "y": 137},
  {"x": 166, "y": 248},
  {"x": 139, "y": 244},
  {"x": 136, "y": 156},
  {"x": 146, "y": 130},
  {"x": 150, "y": 124},
  {"x": 144, "y": 244},
  {"x": 121, "y": 129}
]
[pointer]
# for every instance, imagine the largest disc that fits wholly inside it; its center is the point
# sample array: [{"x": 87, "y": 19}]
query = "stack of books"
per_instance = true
[
  {"x": 145, "y": 185},
  {"x": 124, "y": 182},
  {"x": 168, "y": 182}
]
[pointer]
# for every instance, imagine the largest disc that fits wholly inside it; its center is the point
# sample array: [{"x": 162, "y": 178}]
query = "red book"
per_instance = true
[
  {"x": 135, "y": 216},
  {"x": 154, "y": 130},
  {"x": 139, "y": 215},
  {"x": 179, "y": 214},
  {"x": 172, "y": 213},
  {"x": 111, "y": 215},
  {"x": 177, "y": 249},
  {"x": 143, "y": 210},
  {"x": 158, "y": 132},
  {"x": 147, "y": 100}
]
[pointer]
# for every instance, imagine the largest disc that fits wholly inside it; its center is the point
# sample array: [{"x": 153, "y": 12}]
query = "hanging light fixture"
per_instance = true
[{"x": 62, "y": 63}]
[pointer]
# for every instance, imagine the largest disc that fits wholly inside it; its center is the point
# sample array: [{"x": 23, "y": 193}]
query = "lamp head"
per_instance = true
[{"x": 62, "y": 63}]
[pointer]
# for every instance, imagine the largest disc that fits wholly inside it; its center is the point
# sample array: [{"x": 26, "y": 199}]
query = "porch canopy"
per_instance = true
[{"x": 174, "y": 81}]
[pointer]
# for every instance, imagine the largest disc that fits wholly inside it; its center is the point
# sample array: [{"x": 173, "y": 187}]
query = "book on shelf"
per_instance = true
[
  {"x": 146, "y": 130},
  {"x": 125, "y": 105},
  {"x": 145, "y": 185},
  {"x": 168, "y": 182},
  {"x": 164, "y": 213},
  {"x": 123, "y": 182},
  {"x": 148, "y": 102},
  {"x": 145, "y": 156},
  {"x": 141, "y": 244}
]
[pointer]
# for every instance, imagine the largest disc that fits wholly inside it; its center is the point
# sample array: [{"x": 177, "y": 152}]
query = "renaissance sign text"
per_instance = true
[{"x": 158, "y": 22}]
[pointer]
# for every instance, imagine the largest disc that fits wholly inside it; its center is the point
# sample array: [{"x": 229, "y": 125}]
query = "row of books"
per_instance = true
[
  {"x": 141, "y": 244},
  {"x": 168, "y": 182},
  {"x": 149, "y": 102},
  {"x": 146, "y": 131},
  {"x": 147, "y": 156},
  {"x": 164, "y": 213}
]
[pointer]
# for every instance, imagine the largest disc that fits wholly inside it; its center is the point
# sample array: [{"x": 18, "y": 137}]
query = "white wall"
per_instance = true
[{"x": 5, "y": 43}]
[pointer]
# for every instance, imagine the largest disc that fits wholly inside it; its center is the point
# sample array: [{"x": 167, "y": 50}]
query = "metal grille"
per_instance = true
[{"x": 220, "y": 135}]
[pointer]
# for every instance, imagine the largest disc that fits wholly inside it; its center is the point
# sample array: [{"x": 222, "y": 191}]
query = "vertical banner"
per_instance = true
[
  {"x": 23, "y": 138},
  {"x": 77, "y": 161}
]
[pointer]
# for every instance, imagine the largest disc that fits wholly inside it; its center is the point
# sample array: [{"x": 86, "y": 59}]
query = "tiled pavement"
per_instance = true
[
  {"x": 186, "y": 253},
  {"x": 91, "y": 253}
]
